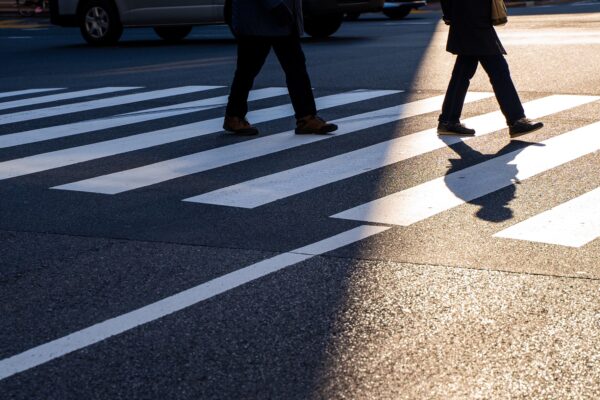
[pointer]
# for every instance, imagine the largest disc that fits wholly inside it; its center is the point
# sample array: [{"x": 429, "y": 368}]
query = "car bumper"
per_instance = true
[
  {"x": 342, "y": 6},
  {"x": 402, "y": 3}
]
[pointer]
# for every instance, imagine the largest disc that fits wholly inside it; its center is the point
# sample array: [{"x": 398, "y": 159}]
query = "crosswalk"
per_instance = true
[{"x": 574, "y": 223}]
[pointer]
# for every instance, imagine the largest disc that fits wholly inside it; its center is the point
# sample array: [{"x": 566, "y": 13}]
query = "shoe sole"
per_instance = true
[
  {"x": 321, "y": 132},
  {"x": 450, "y": 133},
  {"x": 516, "y": 135},
  {"x": 252, "y": 132}
]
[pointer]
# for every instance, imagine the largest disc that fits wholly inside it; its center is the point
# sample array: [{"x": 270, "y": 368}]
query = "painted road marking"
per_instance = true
[
  {"x": 206, "y": 160},
  {"x": 55, "y": 132},
  {"x": 264, "y": 190},
  {"x": 101, "y": 103},
  {"x": 180, "y": 301},
  {"x": 28, "y": 91},
  {"x": 58, "y": 97},
  {"x": 573, "y": 224},
  {"x": 74, "y": 155},
  {"x": 431, "y": 198}
]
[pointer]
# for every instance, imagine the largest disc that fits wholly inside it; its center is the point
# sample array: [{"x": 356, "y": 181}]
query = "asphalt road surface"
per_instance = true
[{"x": 147, "y": 254}]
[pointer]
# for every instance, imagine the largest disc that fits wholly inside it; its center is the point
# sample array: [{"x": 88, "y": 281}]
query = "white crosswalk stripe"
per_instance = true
[
  {"x": 74, "y": 155},
  {"x": 270, "y": 188},
  {"x": 115, "y": 326},
  {"x": 101, "y": 103},
  {"x": 57, "y": 97},
  {"x": 55, "y": 132},
  {"x": 573, "y": 224},
  {"x": 26, "y": 92},
  {"x": 203, "y": 161},
  {"x": 431, "y": 198}
]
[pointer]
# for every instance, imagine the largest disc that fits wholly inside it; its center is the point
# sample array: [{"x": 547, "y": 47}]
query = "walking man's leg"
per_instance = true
[
  {"x": 293, "y": 61},
  {"x": 449, "y": 121},
  {"x": 497, "y": 69},
  {"x": 251, "y": 55}
]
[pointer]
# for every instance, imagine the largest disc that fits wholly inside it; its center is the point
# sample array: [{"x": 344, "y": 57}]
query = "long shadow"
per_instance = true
[{"x": 496, "y": 209}]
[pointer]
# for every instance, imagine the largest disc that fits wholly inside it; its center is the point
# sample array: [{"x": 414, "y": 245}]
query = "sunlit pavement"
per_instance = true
[{"x": 146, "y": 254}]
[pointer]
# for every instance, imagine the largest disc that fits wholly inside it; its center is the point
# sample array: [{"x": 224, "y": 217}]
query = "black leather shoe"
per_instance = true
[
  {"x": 454, "y": 129},
  {"x": 524, "y": 126}
]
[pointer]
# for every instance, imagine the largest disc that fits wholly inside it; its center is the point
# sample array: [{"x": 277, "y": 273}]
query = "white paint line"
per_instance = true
[
  {"x": 264, "y": 190},
  {"x": 434, "y": 197},
  {"x": 573, "y": 224},
  {"x": 180, "y": 301},
  {"x": 74, "y": 155},
  {"x": 163, "y": 171},
  {"x": 25, "y": 92},
  {"x": 100, "y": 103},
  {"x": 58, "y": 97},
  {"x": 76, "y": 128}
]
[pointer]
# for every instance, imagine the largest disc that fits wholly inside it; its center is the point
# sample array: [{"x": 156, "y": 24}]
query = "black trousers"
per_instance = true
[
  {"x": 497, "y": 69},
  {"x": 252, "y": 53}
]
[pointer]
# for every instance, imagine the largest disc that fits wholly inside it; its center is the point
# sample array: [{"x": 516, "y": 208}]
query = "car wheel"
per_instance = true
[
  {"x": 397, "y": 12},
  {"x": 324, "y": 26},
  {"x": 173, "y": 33},
  {"x": 99, "y": 22}
]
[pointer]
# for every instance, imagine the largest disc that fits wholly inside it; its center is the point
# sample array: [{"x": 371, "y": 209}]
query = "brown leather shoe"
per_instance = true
[
  {"x": 313, "y": 124},
  {"x": 239, "y": 126}
]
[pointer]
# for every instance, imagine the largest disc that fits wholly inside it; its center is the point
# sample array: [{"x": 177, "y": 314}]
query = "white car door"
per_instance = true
[{"x": 169, "y": 12}]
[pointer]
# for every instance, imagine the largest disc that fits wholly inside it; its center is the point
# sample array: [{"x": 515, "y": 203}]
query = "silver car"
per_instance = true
[{"x": 102, "y": 21}]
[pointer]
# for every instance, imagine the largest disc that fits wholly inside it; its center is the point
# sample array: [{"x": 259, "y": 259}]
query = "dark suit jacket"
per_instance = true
[
  {"x": 471, "y": 29},
  {"x": 255, "y": 18}
]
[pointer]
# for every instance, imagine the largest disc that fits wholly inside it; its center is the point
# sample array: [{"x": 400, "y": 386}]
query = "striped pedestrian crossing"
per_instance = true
[
  {"x": 57, "y": 97},
  {"x": 444, "y": 193},
  {"x": 30, "y": 115},
  {"x": 572, "y": 224},
  {"x": 274, "y": 187},
  {"x": 203, "y": 161},
  {"x": 60, "y": 131},
  {"x": 75, "y": 155}
]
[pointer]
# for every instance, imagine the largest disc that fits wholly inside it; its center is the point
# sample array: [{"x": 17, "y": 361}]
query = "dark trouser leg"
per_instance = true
[
  {"x": 506, "y": 93},
  {"x": 252, "y": 53},
  {"x": 464, "y": 70},
  {"x": 292, "y": 60}
]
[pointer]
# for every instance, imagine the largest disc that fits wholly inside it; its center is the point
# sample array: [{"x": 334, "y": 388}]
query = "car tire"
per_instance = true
[
  {"x": 99, "y": 22},
  {"x": 173, "y": 33},
  {"x": 397, "y": 12},
  {"x": 322, "y": 26}
]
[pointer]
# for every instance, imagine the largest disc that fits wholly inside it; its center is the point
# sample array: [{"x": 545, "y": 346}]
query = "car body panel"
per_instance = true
[{"x": 171, "y": 12}]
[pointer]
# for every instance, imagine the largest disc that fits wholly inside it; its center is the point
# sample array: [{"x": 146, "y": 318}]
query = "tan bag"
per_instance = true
[{"x": 499, "y": 14}]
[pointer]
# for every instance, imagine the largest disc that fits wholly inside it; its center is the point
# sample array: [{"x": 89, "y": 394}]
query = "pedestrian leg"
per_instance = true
[
  {"x": 251, "y": 56},
  {"x": 497, "y": 69},
  {"x": 291, "y": 57},
  {"x": 464, "y": 70}
]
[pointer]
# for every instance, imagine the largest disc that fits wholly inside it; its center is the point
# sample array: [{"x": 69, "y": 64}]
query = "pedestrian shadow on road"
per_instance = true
[{"x": 474, "y": 188}]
